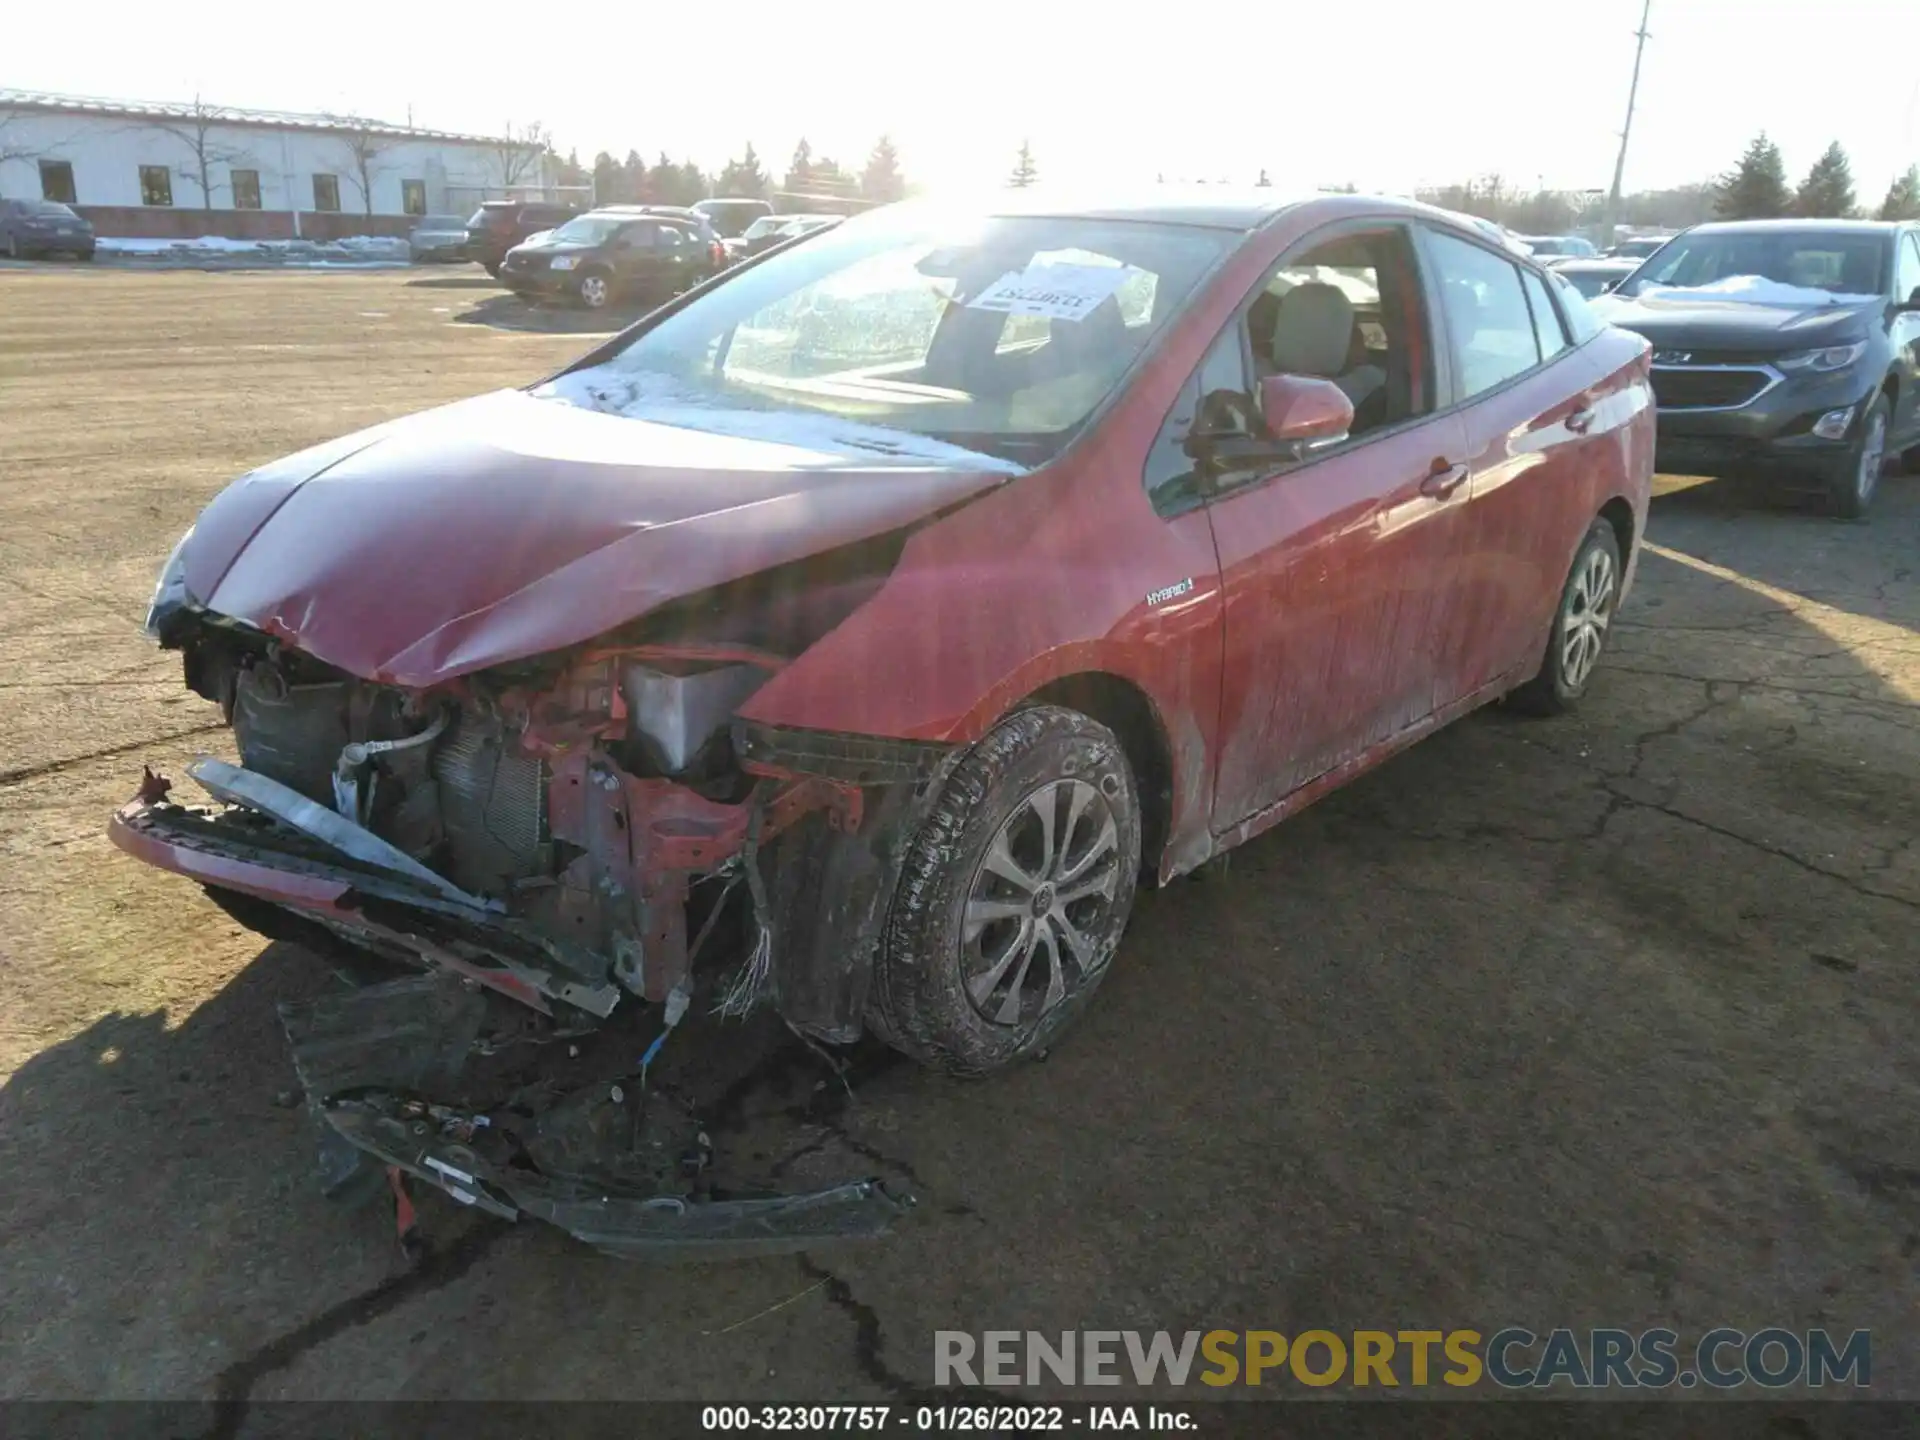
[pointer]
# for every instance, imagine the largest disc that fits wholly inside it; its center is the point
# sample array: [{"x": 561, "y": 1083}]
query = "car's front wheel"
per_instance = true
[
  {"x": 1013, "y": 895},
  {"x": 593, "y": 289},
  {"x": 1854, "y": 491},
  {"x": 1580, "y": 626}
]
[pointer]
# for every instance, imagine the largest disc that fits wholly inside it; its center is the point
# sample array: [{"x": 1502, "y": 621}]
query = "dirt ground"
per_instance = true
[{"x": 1606, "y": 1020}]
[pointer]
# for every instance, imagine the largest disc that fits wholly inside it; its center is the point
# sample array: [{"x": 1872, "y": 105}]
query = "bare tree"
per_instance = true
[
  {"x": 13, "y": 145},
  {"x": 520, "y": 155},
  {"x": 364, "y": 144},
  {"x": 195, "y": 129}
]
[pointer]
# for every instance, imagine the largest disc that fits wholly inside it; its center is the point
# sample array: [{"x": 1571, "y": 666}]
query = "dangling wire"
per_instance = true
[{"x": 756, "y": 971}]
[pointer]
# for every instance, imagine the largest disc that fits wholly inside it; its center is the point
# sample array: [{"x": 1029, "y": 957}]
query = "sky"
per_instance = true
[{"x": 1386, "y": 97}]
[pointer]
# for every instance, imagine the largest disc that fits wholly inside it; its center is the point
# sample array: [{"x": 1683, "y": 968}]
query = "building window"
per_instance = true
[
  {"x": 413, "y": 197},
  {"x": 56, "y": 181},
  {"x": 246, "y": 189},
  {"x": 326, "y": 192},
  {"x": 156, "y": 185}
]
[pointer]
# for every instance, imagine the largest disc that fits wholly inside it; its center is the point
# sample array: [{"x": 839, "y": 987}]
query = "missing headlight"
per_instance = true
[{"x": 674, "y": 714}]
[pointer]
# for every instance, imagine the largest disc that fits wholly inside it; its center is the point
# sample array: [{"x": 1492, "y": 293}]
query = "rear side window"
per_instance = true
[
  {"x": 1488, "y": 321},
  {"x": 1546, "y": 320}
]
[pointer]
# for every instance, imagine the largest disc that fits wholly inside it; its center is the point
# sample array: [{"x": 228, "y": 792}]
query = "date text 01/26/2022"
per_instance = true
[{"x": 940, "y": 1419}]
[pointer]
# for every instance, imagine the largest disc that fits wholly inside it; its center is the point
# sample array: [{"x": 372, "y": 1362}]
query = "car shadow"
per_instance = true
[{"x": 507, "y": 311}]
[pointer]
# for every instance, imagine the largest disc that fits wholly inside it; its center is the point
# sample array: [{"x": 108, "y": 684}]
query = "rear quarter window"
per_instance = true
[{"x": 1582, "y": 323}]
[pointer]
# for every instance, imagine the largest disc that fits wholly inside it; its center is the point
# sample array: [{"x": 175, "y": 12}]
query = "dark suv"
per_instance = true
[
  {"x": 499, "y": 225},
  {"x": 618, "y": 252},
  {"x": 1790, "y": 345}
]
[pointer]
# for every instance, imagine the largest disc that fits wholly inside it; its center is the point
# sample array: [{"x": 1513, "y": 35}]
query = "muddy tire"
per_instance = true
[
  {"x": 1012, "y": 897},
  {"x": 1581, "y": 624}
]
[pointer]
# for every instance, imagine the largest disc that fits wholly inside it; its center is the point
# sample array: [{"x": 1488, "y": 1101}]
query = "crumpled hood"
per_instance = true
[
  {"x": 506, "y": 526},
  {"x": 1672, "y": 322}
]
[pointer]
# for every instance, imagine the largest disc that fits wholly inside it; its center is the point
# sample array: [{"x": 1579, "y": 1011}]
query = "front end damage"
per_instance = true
[{"x": 562, "y": 855}]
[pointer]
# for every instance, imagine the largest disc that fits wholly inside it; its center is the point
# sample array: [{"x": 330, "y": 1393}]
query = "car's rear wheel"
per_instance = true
[
  {"x": 1580, "y": 627},
  {"x": 593, "y": 289},
  {"x": 1853, "y": 493},
  {"x": 1013, "y": 895}
]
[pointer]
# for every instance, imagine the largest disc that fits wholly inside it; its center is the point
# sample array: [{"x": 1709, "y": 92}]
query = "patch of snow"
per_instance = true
[
  {"x": 353, "y": 250},
  {"x": 1755, "y": 290},
  {"x": 663, "y": 400}
]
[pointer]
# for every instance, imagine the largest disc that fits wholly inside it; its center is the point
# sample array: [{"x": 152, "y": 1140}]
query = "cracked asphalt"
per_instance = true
[{"x": 1606, "y": 1020}]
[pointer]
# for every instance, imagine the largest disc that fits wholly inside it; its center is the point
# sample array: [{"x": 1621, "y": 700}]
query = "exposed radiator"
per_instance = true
[{"x": 493, "y": 808}]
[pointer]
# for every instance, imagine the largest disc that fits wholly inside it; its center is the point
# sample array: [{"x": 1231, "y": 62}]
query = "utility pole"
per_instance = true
[{"x": 1633, "y": 92}]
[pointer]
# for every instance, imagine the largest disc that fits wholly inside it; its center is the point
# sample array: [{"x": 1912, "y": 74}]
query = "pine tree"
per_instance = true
[
  {"x": 1827, "y": 192},
  {"x": 608, "y": 188},
  {"x": 1756, "y": 188},
  {"x": 881, "y": 180},
  {"x": 1024, "y": 170},
  {"x": 633, "y": 178},
  {"x": 693, "y": 184},
  {"x": 663, "y": 182},
  {"x": 800, "y": 168},
  {"x": 1903, "y": 197},
  {"x": 743, "y": 178}
]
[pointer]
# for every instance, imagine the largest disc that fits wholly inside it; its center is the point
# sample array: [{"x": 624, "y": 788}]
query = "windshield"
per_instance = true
[
  {"x": 765, "y": 225},
  {"x": 590, "y": 229},
  {"x": 52, "y": 209},
  {"x": 1638, "y": 249},
  {"x": 1001, "y": 335},
  {"x": 440, "y": 222},
  {"x": 1768, "y": 267}
]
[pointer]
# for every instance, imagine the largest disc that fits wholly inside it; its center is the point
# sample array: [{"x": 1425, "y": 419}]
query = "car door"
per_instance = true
[
  {"x": 1527, "y": 399},
  {"x": 632, "y": 256},
  {"x": 1336, "y": 567}
]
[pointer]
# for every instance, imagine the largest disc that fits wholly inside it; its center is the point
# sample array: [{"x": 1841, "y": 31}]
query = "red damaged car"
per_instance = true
[{"x": 908, "y": 596}]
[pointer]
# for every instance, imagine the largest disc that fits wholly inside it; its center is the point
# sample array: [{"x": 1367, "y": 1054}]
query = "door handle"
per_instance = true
[
  {"x": 1580, "y": 420},
  {"x": 1443, "y": 479}
]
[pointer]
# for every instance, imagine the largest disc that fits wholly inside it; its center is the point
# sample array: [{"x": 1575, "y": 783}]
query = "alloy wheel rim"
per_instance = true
[
  {"x": 1583, "y": 630},
  {"x": 1873, "y": 457},
  {"x": 593, "y": 290},
  {"x": 1041, "y": 914}
]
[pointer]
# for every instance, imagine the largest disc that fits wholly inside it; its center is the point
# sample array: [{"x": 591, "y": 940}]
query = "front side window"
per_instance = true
[
  {"x": 156, "y": 185},
  {"x": 326, "y": 192},
  {"x": 897, "y": 319},
  {"x": 413, "y": 197},
  {"x": 56, "y": 181},
  {"x": 1488, "y": 322},
  {"x": 1906, "y": 275},
  {"x": 246, "y": 189}
]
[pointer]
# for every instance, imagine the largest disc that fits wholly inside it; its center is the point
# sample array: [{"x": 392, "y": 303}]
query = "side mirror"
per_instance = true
[
  {"x": 1913, "y": 301},
  {"x": 1303, "y": 409}
]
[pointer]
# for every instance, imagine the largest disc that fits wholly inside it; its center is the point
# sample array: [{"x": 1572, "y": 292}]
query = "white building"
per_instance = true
[{"x": 192, "y": 169}]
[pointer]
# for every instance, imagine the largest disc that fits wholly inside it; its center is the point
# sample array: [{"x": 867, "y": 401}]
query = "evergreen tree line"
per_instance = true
[
  {"x": 1757, "y": 188},
  {"x": 633, "y": 181}
]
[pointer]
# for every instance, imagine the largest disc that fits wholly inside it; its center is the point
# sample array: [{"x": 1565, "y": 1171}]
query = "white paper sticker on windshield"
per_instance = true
[{"x": 1058, "y": 292}]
